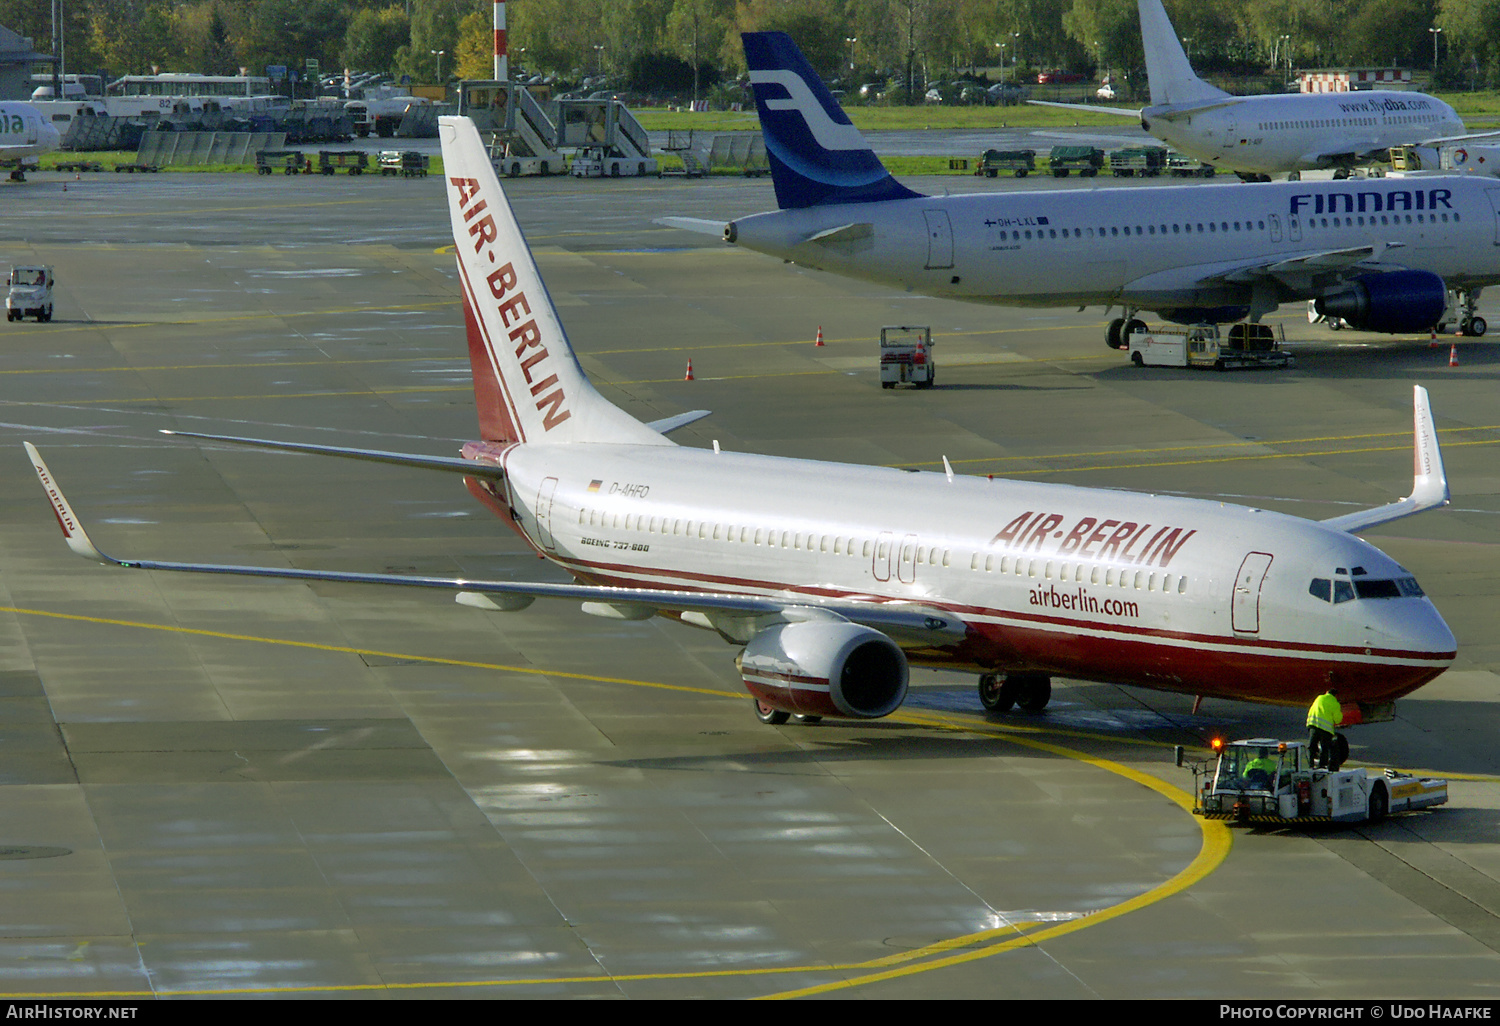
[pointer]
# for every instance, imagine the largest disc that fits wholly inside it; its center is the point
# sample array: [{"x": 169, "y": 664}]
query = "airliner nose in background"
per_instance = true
[
  {"x": 1259, "y": 136},
  {"x": 834, "y": 579},
  {"x": 1382, "y": 254}
]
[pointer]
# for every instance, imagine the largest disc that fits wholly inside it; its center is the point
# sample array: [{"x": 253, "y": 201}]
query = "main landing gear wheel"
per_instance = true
[
  {"x": 768, "y": 714},
  {"x": 1030, "y": 691},
  {"x": 1114, "y": 335},
  {"x": 1475, "y": 327},
  {"x": 995, "y": 694},
  {"x": 1033, "y": 691}
]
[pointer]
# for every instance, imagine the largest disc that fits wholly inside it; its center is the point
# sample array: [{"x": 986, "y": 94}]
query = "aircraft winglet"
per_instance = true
[
  {"x": 73, "y": 532},
  {"x": 1429, "y": 488}
]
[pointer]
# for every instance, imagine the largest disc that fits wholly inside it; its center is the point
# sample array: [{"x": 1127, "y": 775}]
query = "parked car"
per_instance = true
[{"x": 1007, "y": 94}]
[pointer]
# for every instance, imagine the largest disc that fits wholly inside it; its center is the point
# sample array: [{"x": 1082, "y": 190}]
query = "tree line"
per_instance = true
[{"x": 844, "y": 39}]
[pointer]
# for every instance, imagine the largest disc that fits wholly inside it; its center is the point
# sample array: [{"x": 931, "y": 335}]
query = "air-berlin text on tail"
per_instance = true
[
  {"x": 1118, "y": 541},
  {"x": 513, "y": 309}
]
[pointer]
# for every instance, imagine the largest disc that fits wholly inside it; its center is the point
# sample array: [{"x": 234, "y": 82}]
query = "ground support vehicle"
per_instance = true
[
  {"x": 1248, "y": 346},
  {"x": 1086, "y": 160},
  {"x": 1141, "y": 161},
  {"x": 29, "y": 292},
  {"x": 80, "y": 166},
  {"x": 1263, "y": 780},
  {"x": 596, "y": 162},
  {"x": 1021, "y": 162},
  {"x": 406, "y": 163},
  {"x": 1182, "y": 166},
  {"x": 290, "y": 162},
  {"x": 354, "y": 161},
  {"x": 148, "y": 169},
  {"x": 906, "y": 357}
]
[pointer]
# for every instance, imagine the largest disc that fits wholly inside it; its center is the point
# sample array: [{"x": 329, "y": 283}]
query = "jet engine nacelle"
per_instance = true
[
  {"x": 826, "y": 668},
  {"x": 1396, "y": 301}
]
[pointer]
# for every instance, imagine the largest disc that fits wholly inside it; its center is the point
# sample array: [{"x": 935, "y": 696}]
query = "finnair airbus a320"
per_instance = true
[
  {"x": 1381, "y": 254},
  {"x": 1259, "y": 136},
  {"x": 835, "y": 578}
]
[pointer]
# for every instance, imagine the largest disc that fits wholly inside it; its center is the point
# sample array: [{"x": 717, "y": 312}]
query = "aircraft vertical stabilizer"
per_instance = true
[
  {"x": 1172, "y": 78},
  {"x": 528, "y": 385},
  {"x": 817, "y": 156}
]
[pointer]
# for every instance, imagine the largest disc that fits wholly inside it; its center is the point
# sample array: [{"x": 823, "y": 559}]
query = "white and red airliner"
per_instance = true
[{"x": 836, "y": 578}]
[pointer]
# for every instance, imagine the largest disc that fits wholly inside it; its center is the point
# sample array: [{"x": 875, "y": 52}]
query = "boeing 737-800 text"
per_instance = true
[
  {"x": 1381, "y": 254},
  {"x": 836, "y": 578}
]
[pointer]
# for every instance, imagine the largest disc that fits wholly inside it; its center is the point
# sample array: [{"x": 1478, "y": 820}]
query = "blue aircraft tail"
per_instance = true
[{"x": 817, "y": 156}]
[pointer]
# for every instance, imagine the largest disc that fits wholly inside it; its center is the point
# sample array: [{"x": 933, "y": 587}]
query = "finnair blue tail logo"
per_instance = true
[
  {"x": 800, "y": 99},
  {"x": 816, "y": 155}
]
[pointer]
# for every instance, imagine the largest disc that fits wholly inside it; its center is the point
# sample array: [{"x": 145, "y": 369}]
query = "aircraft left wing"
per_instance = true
[
  {"x": 1123, "y": 112},
  {"x": 1429, "y": 488},
  {"x": 701, "y": 225},
  {"x": 910, "y": 626}
]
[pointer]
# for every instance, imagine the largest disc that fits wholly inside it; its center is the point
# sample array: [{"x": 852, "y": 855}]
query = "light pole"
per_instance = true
[
  {"x": 1434, "y": 32},
  {"x": 1001, "y": 48},
  {"x": 851, "y": 40},
  {"x": 1286, "y": 52},
  {"x": 439, "y": 55}
]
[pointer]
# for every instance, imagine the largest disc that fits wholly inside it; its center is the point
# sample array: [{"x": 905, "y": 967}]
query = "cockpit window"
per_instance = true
[{"x": 1338, "y": 590}]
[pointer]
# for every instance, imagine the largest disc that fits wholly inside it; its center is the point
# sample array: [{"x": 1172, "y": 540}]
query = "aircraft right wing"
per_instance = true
[{"x": 1429, "y": 488}]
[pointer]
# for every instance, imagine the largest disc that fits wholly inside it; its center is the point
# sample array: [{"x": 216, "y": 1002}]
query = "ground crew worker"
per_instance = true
[
  {"x": 1261, "y": 770},
  {"x": 1323, "y": 717}
]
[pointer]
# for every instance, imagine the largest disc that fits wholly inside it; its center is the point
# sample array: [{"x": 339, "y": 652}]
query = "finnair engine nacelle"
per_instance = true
[
  {"x": 1395, "y": 302},
  {"x": 826, "y": 668}
]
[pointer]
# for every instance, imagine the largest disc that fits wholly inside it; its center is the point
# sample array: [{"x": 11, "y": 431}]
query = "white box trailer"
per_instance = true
[{"x": 1247, "y": 346}]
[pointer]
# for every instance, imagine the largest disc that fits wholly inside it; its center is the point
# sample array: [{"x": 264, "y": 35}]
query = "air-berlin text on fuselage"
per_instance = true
[
  {"x": 551, "y": 400},
  {"x": 1106, "y": 540},
  {"x": 1345, "y": 201}
]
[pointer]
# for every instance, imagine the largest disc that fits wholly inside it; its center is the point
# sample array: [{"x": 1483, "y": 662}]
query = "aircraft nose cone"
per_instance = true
[{"x": 1419, "y": 630}]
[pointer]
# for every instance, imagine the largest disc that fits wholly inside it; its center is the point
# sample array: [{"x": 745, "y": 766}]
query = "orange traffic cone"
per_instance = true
[
  {"x": 689, "y": 375},
  {"x": 1453, "y": 355},
  {"x": 820, "y": 335},
  {"x": 1433, "y": 344}
]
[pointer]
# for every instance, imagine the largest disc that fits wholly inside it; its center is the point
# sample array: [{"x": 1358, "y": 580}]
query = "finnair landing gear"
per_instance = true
[
  {"x": 1117, "y": 334},
  {"x": 1469, "y": 322},
  {"x": 1030, "y": 691}
]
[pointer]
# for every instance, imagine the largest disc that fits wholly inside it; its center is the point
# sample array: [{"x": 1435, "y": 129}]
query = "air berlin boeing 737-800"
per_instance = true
[{"x": 835, "y": 578}]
